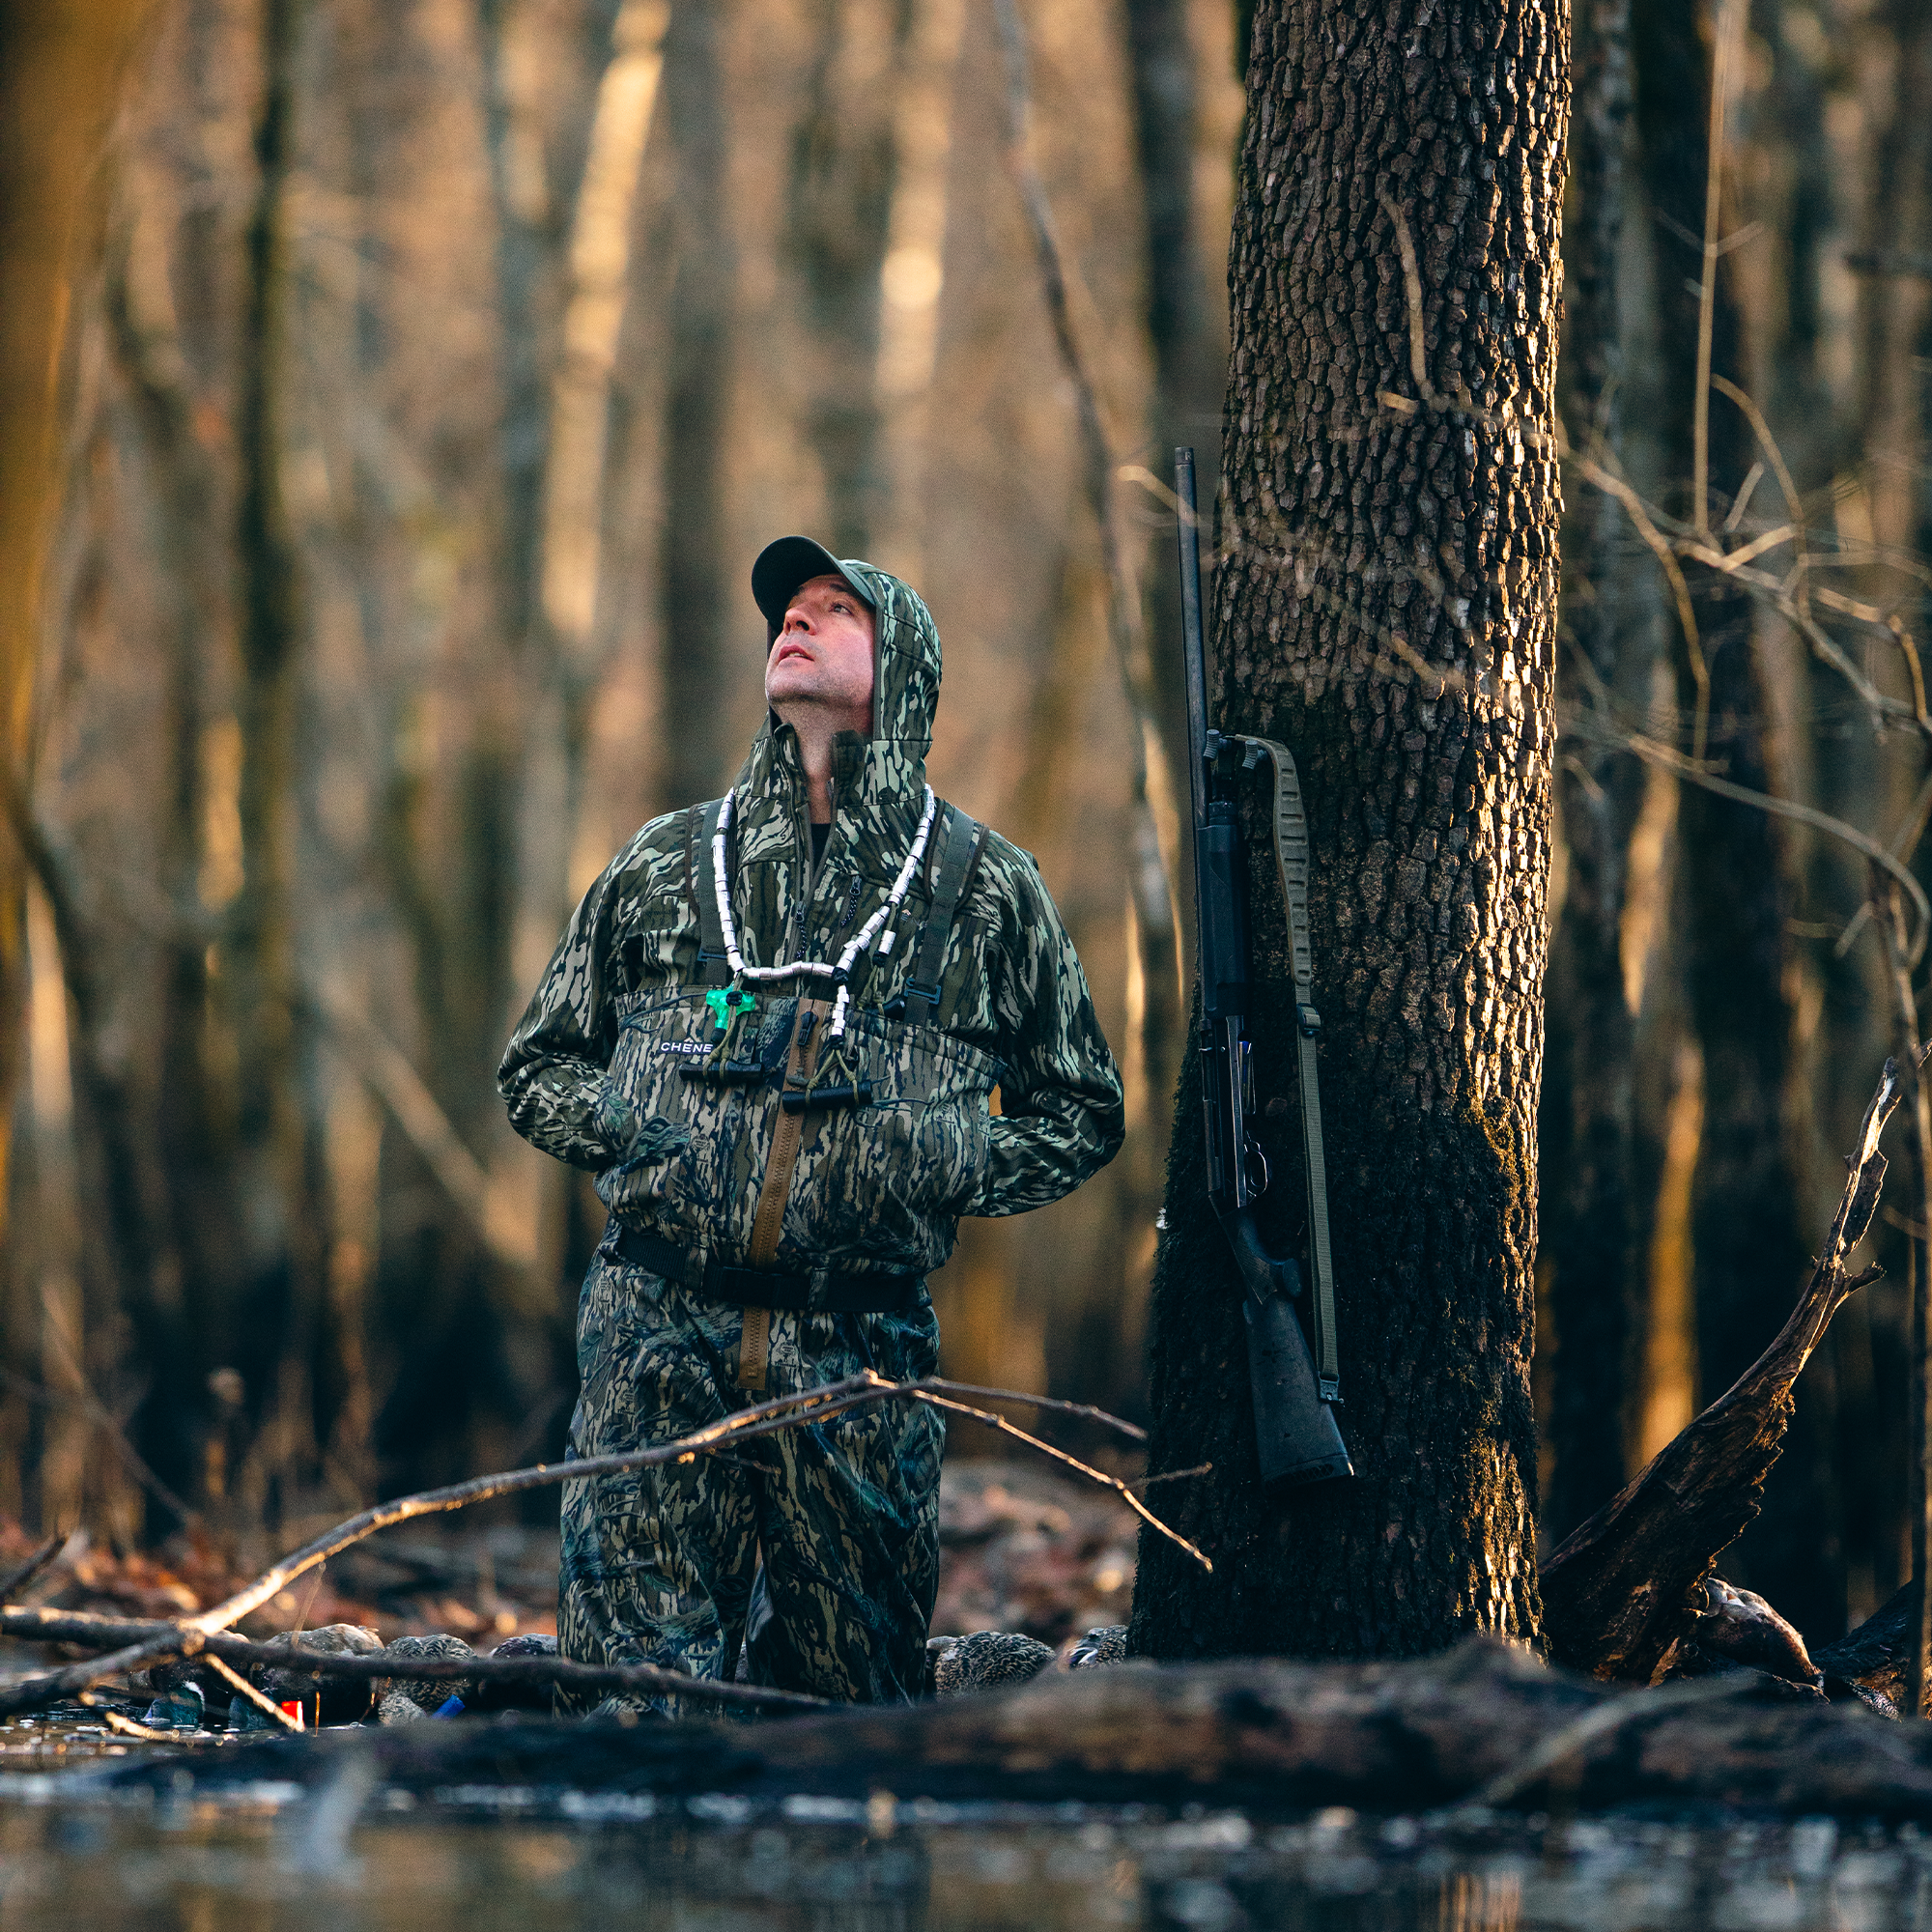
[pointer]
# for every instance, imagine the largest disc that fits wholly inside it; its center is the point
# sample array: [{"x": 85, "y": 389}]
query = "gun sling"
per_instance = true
[{"x": 1290, "y": 858}]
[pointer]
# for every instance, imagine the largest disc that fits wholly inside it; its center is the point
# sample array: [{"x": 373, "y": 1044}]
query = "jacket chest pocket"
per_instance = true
[{"x": 656, "y": 1044}]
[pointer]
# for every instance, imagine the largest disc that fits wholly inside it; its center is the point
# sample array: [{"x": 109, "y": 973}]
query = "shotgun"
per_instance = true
[{"x": 1294, "y": 1423}]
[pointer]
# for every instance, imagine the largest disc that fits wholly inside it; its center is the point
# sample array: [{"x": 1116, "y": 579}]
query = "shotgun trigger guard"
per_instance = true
[{"x": 1256, "y": 1158}]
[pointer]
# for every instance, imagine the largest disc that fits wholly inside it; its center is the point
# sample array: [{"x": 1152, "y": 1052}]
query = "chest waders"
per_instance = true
[{"x": 960, "y": 841}]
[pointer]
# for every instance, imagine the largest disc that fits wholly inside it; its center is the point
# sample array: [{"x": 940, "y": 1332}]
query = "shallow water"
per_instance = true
[{"x": 352, "y": 1858}]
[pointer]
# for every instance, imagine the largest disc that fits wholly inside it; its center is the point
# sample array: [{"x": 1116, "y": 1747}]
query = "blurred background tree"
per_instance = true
[{"x": 394, "y": 399}]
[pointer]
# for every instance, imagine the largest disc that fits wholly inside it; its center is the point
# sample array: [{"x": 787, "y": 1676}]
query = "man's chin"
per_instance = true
[{"x": 780, "y": 691}]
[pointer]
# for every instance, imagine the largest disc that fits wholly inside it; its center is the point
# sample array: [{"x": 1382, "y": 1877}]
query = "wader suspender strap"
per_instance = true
[
  {"x": 958, "y": 859},
  {"x": 714, "y": 967},
  {"x": 755, "y": 1346},
  {"x": 1290, "y": 858}
]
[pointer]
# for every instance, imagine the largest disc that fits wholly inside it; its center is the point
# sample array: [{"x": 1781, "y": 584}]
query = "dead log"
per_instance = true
[
  {"x": 1622, "y": 1592},
  {"x": 1483, "y": 1724}
]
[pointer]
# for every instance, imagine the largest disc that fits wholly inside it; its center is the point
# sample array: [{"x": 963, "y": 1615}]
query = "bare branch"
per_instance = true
[{"x": 1689, "y": 770}]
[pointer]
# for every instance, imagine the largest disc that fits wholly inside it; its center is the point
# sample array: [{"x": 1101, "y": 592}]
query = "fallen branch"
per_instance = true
[
  {"x": 189, "y": 1635},
  {"x": 1623, "y": 1590},
  {"x": 379, "y": 1665}
]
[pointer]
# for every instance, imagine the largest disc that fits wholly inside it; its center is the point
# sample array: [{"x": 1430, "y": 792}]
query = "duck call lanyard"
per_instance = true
[
  {"x": 840, "y": 974},
  {"x": 1290, "y": 858}
]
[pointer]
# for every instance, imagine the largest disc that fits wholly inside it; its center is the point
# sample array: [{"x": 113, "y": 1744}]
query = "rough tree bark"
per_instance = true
[
  {"x": 1386, "y": 605},
  {"x": 1747, "y": 1237},
  {"x": 1586, "y": 1138}
]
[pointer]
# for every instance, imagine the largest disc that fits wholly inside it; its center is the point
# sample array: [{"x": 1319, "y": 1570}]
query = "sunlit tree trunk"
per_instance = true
[{"x": 1387, "y": 605}]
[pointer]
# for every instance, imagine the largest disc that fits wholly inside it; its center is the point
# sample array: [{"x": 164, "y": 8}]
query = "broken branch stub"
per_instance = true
[{"x": 1621, "y": 1592}]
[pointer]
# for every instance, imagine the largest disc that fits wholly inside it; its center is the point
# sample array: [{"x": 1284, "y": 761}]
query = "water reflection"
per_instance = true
[{"x": 352, "y": 1858}]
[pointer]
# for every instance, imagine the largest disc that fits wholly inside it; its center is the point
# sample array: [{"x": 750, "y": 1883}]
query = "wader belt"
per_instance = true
[
  {"x": 1290, "y": 858},
  {"x": 714, "y": 968},
  {"x": 959, "y": 850},
  {"x": 755, "y": 1345},
  {"x": 842, "y": 1292}
]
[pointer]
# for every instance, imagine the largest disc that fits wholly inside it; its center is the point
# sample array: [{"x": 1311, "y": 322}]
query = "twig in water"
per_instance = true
[
  {"x": 257, "y": 1698},
  {"x": 126, "y": 1727}
]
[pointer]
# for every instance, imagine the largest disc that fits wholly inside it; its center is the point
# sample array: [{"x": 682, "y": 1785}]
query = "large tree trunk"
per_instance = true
[
  {"x": 1747, "y": 1199},
  {"x": 1589, "y": 1247},
  {"x": 1387, "y": 606}
]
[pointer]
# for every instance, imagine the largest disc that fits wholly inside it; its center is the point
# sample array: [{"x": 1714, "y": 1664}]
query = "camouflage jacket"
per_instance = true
[{"x": 600, "y": 1070}]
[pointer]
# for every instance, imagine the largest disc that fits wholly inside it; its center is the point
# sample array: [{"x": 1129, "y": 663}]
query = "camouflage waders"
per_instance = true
[
  {"x": 659, "y": 1564},
  {"x": 644, "y": 1059}
]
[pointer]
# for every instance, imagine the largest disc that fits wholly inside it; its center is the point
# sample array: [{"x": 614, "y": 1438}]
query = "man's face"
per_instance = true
[{"x": 822, "y": 658}]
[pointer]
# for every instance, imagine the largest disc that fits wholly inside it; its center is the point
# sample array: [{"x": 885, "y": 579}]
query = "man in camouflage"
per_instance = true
[{"x": 756, "y": 1249}]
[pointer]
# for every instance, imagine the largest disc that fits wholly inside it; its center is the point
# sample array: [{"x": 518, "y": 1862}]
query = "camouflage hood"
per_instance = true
[{"x": 878, "y": 783}]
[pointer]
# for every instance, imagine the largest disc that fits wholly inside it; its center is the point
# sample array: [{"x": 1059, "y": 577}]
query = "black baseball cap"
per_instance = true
[{"x": 782, "y": 566}]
